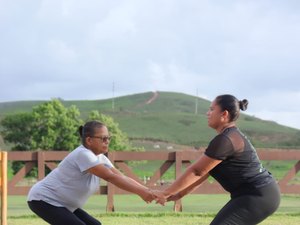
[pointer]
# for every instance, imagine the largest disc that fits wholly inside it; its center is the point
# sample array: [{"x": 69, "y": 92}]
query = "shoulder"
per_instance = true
[
  {"x": 220, "y": 139},
  {"x": 104, "y": 160},
  {"x": 220, "y": 147},
  {"x": 82, "y": 151},
  {"x": 82, "y": 155}
]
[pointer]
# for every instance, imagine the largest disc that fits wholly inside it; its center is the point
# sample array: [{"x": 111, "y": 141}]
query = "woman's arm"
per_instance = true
[
  {"x": 187, "y": 190},
  {"x": 129, "y": 178},
  {"x": 122, "y": 181},
  {"x": 192, "y": 177}
]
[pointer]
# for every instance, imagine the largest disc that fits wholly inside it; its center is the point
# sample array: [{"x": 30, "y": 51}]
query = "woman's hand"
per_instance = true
[
  {"x": 160, "y": 197},
  {"x": 148, "y": 196},
  {"x": 174, "y": 197}
]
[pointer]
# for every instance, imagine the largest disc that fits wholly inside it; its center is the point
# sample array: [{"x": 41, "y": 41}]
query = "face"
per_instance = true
[
  {"x": 215, "y": 117},
  {"x": 99, "y": 142}
]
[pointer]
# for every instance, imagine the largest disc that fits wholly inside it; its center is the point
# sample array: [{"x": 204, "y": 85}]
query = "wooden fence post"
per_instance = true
[
  {"x": 41, "y": 165},
  {"x": 178, "y": 167},
  {"x": 3, "y": 187},
  {"x": 110, "y": 188}
]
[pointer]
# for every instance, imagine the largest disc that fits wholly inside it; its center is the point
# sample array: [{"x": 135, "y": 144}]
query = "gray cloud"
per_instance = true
[{"x": 77, "y": 50}]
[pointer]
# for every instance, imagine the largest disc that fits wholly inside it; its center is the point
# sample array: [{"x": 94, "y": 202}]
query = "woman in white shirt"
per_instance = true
[{"x": 58, "y": 198}]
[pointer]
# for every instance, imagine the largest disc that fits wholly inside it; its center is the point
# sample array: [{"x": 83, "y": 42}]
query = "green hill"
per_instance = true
[{"x": 169, "y": 117}]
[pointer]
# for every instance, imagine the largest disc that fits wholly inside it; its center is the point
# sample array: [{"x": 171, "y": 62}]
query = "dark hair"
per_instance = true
[
  {"x": 88, "y": 129},
  {"x": 232, "y": 105}
]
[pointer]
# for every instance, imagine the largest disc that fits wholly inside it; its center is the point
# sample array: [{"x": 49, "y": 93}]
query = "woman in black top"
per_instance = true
[{"x": 232, "y": 161}]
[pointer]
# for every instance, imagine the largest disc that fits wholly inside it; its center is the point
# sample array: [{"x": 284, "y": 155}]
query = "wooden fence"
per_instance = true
[
  {"x": 180, "y": 159},
  {"x": 3, "y": 187}
]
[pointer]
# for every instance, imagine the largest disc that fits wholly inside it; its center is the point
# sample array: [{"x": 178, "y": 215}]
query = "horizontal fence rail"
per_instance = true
[{"x": 179, "y": 159}]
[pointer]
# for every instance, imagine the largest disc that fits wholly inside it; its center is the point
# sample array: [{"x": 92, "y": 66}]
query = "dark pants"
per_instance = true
[
  {"x": 250, "y": 209},
  {"x": 60, "y": 215}
]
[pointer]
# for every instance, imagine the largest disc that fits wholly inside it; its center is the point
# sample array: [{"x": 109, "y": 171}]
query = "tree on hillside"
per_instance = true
[
  {"x": 50, "y": 126},
  {"x": 55, "y": 127},
  {"x": 17, "y": 129}
]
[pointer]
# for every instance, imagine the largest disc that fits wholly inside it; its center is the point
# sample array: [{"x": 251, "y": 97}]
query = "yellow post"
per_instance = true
[{"x": 3, "y": 187}]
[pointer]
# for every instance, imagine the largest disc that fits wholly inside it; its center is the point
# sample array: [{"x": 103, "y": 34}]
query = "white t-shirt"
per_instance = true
[{"x": 69, "y": 185}]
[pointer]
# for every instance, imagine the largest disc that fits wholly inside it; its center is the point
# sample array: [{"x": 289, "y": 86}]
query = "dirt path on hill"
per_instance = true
[{"x": 152, "y": 99}]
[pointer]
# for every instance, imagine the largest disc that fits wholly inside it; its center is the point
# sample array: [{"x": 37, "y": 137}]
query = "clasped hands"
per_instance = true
[{"x": 161, "y": 197}]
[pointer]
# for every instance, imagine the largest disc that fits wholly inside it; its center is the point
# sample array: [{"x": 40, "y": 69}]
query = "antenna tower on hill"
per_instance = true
[
  {"x": 196, "y": 102},
  {"x": 113, "y": 97}
]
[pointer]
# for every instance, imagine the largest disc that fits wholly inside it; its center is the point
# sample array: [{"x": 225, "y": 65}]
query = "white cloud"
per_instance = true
[
  {"x": 251, "y": 49},
  {"x": 60, "y": 52},
  {"x": 281, "y": 107}
]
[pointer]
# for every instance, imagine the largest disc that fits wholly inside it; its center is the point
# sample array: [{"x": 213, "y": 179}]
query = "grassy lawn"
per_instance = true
[
  {"x": 130, "y": 209},
  {"x": 160, "y": 219}
]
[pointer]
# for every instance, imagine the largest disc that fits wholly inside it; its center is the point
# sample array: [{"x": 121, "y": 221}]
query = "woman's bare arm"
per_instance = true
[{"x": 122, "y": 182}]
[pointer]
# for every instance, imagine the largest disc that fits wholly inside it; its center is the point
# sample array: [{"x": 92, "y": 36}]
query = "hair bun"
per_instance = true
[{"x": 243, "y": 104}]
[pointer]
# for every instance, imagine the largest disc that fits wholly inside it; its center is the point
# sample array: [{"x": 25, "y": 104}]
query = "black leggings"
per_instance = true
[
  {"x": 250, "y": 209},
  {"x": 60, "y": 215}
]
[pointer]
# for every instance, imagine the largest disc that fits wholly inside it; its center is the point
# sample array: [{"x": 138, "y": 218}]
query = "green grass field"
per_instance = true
[{"x": 130, "y": 209}]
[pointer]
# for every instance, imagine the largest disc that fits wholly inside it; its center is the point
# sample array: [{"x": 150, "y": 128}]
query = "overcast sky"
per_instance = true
[{"x": 78, "y": 49}]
